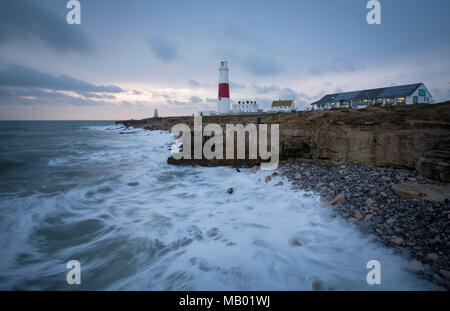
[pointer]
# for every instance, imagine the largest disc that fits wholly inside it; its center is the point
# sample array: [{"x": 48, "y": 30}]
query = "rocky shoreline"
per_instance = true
[{"x": 415, "y": 228}]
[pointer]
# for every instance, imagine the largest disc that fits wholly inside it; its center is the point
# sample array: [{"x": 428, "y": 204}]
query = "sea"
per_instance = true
[{"x": 104, "y": 196}]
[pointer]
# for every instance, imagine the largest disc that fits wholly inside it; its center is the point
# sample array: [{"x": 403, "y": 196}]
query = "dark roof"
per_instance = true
[{"x": 384, "y": 92}]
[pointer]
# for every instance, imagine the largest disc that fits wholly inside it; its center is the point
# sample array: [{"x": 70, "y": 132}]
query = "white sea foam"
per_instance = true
[{"x": 143, "y": 224}]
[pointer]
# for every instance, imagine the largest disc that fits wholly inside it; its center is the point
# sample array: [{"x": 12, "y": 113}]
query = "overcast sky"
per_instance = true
[{"x": 129, "y": 57}]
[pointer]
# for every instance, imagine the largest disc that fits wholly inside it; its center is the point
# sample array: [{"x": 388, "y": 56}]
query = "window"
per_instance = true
[
  {"x": 401, "y": 100},
  {"x": 415, "y": 99},
  {"x": 389, "y": 101},
  {"x": 379, "y": 102}
]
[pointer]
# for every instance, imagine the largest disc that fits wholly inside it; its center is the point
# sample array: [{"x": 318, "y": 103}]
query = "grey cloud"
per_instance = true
[
  {"x": 196, "y": 99},
  {"x": 163, "y": 49},
  {"x": 194, "y": 83},
  {"x": 262, "y": 66},
  {"x": 242, "y": 36},
  {"x": 265, "y": 89},
  {"x": 33, "y": 96},
  {"x": 177, "y": 102},
  {"x": 27, "y": 20},
  {"x": 21, "y": 76},
  {"x": 336, "y": 65},
  {"x": 234, "y": 85}
]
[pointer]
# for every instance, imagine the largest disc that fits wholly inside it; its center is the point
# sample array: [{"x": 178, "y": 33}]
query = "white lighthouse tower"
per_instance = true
[{"x": 223, "y": 102}]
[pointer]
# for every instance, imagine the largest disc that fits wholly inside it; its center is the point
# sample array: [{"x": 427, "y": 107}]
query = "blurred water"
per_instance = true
[{"x": 83, "y": 191}]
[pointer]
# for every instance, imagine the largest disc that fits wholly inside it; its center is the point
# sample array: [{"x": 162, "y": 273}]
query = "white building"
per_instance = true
[
  {"x": 245, "y": 106},
  {"x": 282, "y": 106},
  {"x": 395, "y": 95}
]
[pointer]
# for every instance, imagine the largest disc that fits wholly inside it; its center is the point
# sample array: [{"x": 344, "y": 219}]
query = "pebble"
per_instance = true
[
  {"x": 340, "y": 198},
  {"x": 398, "y": 241},
  {"x": 433, "y": 256},
  {"x": 358, "y": 215},
  {"x": 390, "y": 221}
]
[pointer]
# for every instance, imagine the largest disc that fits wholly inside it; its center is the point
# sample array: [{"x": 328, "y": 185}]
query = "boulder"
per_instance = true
[
  {"x": 422, "y": 192},
  {"x": 268, "y": 179},
  {"x": 435, "y": 164},
  {"x": 445, "y": 273}
]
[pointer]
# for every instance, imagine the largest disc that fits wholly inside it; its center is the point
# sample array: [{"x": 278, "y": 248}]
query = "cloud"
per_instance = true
[
  {"x": 27, "y": 20},
  {"x": 240, "y": 35},
  {"x": 265, "y": 89},
  {"x": 196, "y": 99},
  {"x": 163, "y": 49},
  {"x": 336, "y": 65},
  {"x": 262, "y": 66},
  {"x": 33, "y": 96},
  {"x": 235, "y": 85},
  {"x": 21, "y": 76},
  {"x": 196, "y": 84},
  {"x": 177, "y": 102}
]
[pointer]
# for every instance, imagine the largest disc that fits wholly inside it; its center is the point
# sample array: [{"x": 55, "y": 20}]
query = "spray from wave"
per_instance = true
[{"x": 111, "y": 201}]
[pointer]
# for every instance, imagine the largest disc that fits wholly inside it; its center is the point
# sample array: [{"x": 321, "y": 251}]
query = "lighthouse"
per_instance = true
[{"x": 223, "y": 102}]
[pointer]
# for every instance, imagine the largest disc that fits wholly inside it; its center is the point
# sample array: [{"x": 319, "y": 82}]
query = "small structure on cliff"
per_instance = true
[
  {"x": 396, "y": 95},
  {"x": 155, "y": 114},
  {"x": 283, "y": 105}
]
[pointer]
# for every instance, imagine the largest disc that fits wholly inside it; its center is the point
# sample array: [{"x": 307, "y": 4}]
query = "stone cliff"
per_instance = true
[{"x": 412, "y": 137}]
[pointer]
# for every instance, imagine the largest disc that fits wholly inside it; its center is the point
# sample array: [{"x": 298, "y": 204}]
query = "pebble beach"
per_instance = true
[{"x": 416, "y": 229}]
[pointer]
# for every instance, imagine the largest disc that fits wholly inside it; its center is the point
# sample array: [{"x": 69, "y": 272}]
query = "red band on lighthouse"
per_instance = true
[{"x": 224, "y": 90}]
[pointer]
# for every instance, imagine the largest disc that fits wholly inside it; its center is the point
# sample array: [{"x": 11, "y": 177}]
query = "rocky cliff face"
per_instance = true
[{"x": 413, "y": 137}]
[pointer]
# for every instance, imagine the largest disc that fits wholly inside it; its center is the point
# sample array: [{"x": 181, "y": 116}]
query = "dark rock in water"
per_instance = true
[
  {"x": 230, "y": 190},
  {"x": 133, "y": 184},
  {"x": 279, "y": 184},
  {"x": 294, "y": 242},
  {"x": 238, "y": 170},
  {"x": 254, "y": 169},
  {"x": 268, "y": 179},
  {"x": 195, "y": 232}
]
